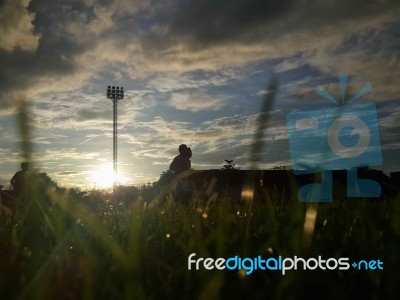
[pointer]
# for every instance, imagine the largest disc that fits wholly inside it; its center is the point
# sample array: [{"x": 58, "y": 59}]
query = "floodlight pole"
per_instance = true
[{"x": 115, "y": 94}]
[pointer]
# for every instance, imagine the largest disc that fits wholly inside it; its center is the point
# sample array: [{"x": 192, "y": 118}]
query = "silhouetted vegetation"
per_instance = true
[{"x": 229, "y": 165}]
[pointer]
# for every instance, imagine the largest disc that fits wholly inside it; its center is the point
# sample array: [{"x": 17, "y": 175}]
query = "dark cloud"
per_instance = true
[
  {"x": 210, "y": 22},
  {"x": 93, "y": 114},
  {"x": 207, "y": 22},
  {"x": 54, "y": 55},
  {"x": 331, "y": 12},
  {"x": 64, "y": 35},
  {"x": 385, "y": 37},
  {"x": 20, "y": 70}
]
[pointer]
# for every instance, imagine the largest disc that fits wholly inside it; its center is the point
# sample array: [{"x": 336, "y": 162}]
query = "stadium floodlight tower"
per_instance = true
[{"x": 115, "y": 93}]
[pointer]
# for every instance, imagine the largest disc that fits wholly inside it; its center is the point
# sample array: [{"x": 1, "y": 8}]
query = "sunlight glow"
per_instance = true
[{"x": 103, "y": 176}]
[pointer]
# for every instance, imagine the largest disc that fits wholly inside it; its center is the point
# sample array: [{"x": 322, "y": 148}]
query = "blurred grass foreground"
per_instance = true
[{"x": 54, "y": 245}]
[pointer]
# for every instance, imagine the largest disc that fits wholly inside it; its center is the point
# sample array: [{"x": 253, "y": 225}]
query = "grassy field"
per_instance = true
[{"x": 54, "y": 247}]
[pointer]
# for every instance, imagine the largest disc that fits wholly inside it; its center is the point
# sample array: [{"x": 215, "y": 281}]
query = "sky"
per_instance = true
[{"x": 194, "y": 72}]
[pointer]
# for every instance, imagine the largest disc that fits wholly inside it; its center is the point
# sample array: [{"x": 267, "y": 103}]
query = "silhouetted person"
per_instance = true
[
  {"x": 181, "y": 162},
  {"x": 181, "y": 166},
  {"x": 19, "y": 180}
]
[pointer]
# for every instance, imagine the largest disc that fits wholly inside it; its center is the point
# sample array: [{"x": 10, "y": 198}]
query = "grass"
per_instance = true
[{"x": 55, "y": 248}]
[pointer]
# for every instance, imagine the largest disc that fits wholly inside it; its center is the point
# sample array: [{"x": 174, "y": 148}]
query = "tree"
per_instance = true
[{"x": 229, "y": 165}]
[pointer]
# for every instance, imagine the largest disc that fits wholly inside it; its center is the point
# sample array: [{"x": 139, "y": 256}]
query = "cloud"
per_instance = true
[
  {"x": 83, "y": 42},
  {"x": 54, "y": 55},
  {"x": 212, "y": 142},
  {"x": 16, "y": 29},
  {"x": 390, "y": 115},
  {"x": 206, "y": 23},
  {"x": 176, "y": 81},
  {"x": 288, "y": 64},
  {"x": 195, "y": 101},
  {"x": 209, "y": 22},
  {"x": 78, "y": 110}
]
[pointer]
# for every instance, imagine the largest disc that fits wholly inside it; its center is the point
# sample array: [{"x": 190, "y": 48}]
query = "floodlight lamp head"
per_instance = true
[{"x": 115, "y": 93}]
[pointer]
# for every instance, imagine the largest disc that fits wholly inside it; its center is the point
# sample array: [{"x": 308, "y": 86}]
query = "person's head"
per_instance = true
[
  {"x": 182, "y": 149},
  {"x": 185, "y": 151},
  {"x": 25, "y": 166}
]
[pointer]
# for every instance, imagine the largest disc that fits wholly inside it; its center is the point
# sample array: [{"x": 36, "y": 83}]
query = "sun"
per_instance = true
[{"x": 103, "y": 176}]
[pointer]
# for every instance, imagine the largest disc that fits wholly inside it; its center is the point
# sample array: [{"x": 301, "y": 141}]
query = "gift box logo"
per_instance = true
[{"x": 342, "y": 137}]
